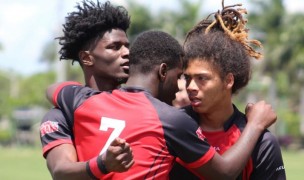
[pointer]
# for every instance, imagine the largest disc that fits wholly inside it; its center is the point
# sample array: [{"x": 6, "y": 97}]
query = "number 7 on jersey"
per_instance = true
[{"x": 116, "y": 124}]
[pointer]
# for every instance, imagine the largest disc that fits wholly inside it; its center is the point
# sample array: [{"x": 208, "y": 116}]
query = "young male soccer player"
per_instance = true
[{"x": 156, "y": 132}]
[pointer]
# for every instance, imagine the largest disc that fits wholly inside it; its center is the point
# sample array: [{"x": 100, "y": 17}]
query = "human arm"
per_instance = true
[
  {"x": 62, "y": 161},
  {"x": 230, "y": 164},
  {"x": 58, "y": 148},
  {"x": 53, "y": 90}
]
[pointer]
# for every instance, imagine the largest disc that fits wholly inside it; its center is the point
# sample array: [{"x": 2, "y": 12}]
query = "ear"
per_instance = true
[
  {"x": 162, "y": 72},
  {"x": 85, "y": 58},
  {"x": 229, "y": 80}
]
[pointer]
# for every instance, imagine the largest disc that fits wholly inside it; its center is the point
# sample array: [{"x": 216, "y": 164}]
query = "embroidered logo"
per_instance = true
[
  {"x": 48, "y": 127},
  {"x": 200, "y": 134},
  {"x": 280, "y": 168}
]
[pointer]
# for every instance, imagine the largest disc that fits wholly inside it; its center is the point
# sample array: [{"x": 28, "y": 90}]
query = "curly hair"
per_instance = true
[
  {"x": 224, "y": 42},
  {"x": 153, "y": 48},
  {"x": 86, "y": 26}
]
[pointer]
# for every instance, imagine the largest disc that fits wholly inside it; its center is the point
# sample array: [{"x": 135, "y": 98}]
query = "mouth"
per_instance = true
[
  {"x": 125, "y": 66},
  {"x": 195, "y": 101}
]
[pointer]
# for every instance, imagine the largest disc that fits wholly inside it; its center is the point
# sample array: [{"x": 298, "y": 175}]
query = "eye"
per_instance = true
[
  {"x": 186, "y": 77},
  {"x": 202, "y": 78},
  {"x": 114, "y": 47}
]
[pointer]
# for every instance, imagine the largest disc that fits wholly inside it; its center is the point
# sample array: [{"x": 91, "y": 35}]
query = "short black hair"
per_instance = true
[
  {"x": 152, "y": 48},
  {"x": 84, "y": 27}
]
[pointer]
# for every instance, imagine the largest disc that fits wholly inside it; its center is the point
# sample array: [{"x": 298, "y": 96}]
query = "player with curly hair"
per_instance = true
[
  {"x": 95, "y": 36},
  {"x": 139, "y": 113},
  {"x": 217, "y": 66}
]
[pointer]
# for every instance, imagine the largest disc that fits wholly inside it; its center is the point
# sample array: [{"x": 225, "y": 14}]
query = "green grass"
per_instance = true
[
  {"x": 293, "y": 162},
  {"x": 23, "y": 163},
  {"x": 28, "y": 164}
]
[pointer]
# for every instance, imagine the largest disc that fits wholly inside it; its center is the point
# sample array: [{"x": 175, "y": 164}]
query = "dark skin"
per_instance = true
[
  {"x": 260, "y": 116},
  {"x": 103, "y": 66}
]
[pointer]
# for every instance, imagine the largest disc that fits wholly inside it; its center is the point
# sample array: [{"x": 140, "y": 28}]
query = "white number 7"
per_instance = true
[{"x": 116, "y": 124}]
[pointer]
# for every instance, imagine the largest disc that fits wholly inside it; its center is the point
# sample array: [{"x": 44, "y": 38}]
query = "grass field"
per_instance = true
[{"x": 28, "y": 164}]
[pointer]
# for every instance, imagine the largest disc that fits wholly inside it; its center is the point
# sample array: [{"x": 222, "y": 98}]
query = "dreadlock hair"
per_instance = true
[
  {"x": 86, "y": 26},
  {"x": 223, "y": 42},
  {"x": 152, "y": 48}
]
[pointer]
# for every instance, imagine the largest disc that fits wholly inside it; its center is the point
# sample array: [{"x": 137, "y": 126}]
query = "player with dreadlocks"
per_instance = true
[
  {"x": 217, "y": 55},
  {"x": 95, "y": 37}
]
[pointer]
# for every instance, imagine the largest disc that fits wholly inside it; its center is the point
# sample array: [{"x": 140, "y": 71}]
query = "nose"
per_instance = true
[
  {"x": 125, "y": 52},
  {"x": 191, "y": 87}
]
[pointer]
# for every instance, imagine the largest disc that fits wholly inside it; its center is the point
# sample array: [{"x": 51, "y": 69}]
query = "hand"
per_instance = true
[
  {"x": 260, "y": 114},
  {"x": 119, "y": 156}
]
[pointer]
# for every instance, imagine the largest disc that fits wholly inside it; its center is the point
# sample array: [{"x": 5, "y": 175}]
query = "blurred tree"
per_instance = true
[
  {"x": 5, "y": 83},
  {"x": 292, "y": 56},
  {"x": 176, "y": 22},
  {"x": 141, "y": 19},
  {"x": 63, "y": 68},
  {"x": 283, "y": 37},
  {"x": 32, "y": 91}
]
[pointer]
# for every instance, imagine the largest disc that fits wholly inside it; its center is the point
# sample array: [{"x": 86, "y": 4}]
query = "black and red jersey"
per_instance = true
[
  {"x": 156, "y": 132},
  {"x": 266, "y": 160}
]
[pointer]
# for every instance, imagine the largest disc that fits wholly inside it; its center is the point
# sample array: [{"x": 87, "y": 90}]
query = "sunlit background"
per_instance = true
[{"x": 29, "y": 62}]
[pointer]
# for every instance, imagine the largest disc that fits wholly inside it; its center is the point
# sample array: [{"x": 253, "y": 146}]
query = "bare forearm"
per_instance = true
[
  {"x": 62, "y": 163},
  {"x": 75, "y": 171}
]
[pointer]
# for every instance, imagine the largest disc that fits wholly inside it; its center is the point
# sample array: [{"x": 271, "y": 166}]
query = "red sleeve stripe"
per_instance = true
[
  {"x": 60, "y": 86},
  {"x": 200, "y": 162},
  {"x": 94, "y": 168},
  {"x": 54, "y": 144}
]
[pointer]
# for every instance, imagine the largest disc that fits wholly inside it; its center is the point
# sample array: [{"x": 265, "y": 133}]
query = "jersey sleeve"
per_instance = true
[
  {"x": 55, "y": 130},
  {"x": 268, "y": 160},
  {"x": 60, "y": 87},
  {"x": 186, "y": 142}
]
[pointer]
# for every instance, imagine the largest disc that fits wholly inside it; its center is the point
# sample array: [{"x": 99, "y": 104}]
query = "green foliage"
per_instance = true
[
  {"x": 292, "y": 121},
  {"x": 141, "y": 19},
  {"x": 4, "y": 93},
  {"x": 5, "y": 136},
  {"x": 179, "y": 22},
  {"x": 282, "y": 84},
  {"x": 33, "y": 90},
  {"x": 176, "y": 22}
]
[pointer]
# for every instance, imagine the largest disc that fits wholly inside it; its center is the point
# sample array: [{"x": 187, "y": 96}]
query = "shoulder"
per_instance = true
[
  {"x": 267, "y": 147},
  {"x": 268, "y": 138}
]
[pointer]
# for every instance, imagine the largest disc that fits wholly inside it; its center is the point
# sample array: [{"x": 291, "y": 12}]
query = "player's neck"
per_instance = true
[
  {"x": 147, "y": 82},
  {"x": 215, "y": 120},
  {"x": 101, "y": 84}
]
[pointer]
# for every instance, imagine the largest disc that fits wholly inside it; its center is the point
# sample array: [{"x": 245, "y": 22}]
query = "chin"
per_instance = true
[
  {"x": 122, "y": 80},
  {"x": 197, "y": 109}
]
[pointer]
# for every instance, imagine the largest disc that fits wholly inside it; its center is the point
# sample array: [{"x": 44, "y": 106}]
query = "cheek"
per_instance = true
[{"x": 174, "y": 84}]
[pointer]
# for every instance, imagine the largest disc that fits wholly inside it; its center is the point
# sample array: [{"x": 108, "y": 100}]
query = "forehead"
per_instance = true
[
  {"x": 200, "y": 65},
  {"x": 113, "y": 36}
]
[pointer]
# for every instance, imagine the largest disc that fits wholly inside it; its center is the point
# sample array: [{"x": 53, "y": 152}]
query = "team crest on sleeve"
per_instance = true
[
  {"x": 200, "y": 134},
  {"x": 48, "y": 127}
]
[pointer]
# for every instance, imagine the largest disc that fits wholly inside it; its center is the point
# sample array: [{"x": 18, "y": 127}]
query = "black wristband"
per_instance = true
[
  {"x": 88, "y": 169},
  {"x": 101, "y": 165}
]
